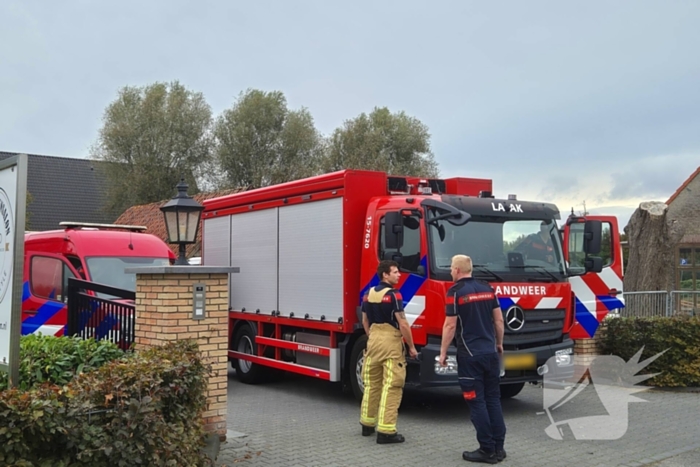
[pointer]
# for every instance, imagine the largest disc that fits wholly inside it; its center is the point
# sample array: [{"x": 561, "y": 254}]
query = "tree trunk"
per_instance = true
[{"x": 650, "y": 249}]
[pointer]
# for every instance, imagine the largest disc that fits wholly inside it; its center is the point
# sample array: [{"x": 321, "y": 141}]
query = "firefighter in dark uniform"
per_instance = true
[
  {"x": 384, "y": 368},
  {"x": 538, "y": 246},
  {"x": 474, "y": 315}
]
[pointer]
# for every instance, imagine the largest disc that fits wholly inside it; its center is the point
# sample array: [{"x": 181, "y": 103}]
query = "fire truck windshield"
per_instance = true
[
  {"x": 109, "y": 270},
  {"x": 501, "y": 248}
]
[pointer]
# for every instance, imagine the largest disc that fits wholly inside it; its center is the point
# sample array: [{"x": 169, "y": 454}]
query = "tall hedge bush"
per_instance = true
[
  {"x": 58, "y": 359},
  {"x": 144, "y": 410},
  {"x": 679, "y": 337}
]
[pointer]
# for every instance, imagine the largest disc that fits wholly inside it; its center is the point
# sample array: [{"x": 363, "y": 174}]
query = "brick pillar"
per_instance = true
[
  {"x": 587, "y": 349},
  {"x": 164, "y": 312}
]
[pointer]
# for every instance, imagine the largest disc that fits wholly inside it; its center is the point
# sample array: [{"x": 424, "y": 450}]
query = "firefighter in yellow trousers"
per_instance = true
[{"x": 384, "y": 368}]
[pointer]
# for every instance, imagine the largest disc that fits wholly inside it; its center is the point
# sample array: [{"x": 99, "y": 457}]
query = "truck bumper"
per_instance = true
[{"x": 422, "y": 373}]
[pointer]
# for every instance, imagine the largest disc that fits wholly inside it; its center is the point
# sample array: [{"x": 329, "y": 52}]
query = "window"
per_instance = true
[
  {"x": 110, "y": 270},
  {"x": 501, "y": 248},
  {"x": 606, "y": 245},
  {"x": 49, "y": 278},
  {"x": 688, "y": 268},
  {"x": 576, "y": 255},
  {"x": 410, "y": 251}
]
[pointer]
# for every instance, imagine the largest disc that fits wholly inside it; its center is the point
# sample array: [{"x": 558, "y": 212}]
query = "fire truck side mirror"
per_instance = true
[
  {"x": 393, "y": 230},
  {"x": 593, "y": 264},
  {"x": 593, "y": 232}
]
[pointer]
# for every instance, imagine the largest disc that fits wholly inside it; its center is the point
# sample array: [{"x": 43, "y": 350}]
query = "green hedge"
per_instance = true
[
  {"x": 679, "y": 366},
  {"x": 58, "y": 359},
  {"x": 144, "y": 410}
]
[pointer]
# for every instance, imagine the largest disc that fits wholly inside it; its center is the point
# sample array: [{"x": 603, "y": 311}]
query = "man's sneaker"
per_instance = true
[
  {"x": 500, "y": 454},
  {"x": 367, "y": 430},
  {"x": 383, "y": 438},
  {"x": 480, "y": 456}
]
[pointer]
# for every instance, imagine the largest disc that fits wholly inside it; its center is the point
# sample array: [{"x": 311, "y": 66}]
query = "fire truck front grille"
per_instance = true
[{"x": 540, "y": 327}]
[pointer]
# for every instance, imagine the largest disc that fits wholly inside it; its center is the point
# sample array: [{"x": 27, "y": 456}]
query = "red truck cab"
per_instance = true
[{"x": 94, "y": 252}]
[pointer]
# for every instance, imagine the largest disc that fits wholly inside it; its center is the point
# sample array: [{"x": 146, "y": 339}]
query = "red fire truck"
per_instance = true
[
  {"x": 95, "y": 252},
  {"x": 308, "y": 250}
]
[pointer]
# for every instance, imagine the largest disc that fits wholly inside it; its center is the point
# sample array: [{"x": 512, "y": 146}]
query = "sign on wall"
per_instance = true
[{"x": 13, "y": 198}]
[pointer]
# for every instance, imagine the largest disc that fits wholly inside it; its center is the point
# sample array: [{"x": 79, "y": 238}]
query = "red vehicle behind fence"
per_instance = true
[{"x": 95, "y": 252}]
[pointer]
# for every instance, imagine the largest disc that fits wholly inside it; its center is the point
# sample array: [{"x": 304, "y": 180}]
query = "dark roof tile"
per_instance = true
[{"x": 64, "y": 189}]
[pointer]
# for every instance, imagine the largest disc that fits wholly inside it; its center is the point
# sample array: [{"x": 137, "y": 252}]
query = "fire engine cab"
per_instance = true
[{"x": 308, "y": 250}]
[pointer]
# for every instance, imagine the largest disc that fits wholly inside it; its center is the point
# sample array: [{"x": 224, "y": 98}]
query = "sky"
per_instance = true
[{"x": 572, "y": 102}]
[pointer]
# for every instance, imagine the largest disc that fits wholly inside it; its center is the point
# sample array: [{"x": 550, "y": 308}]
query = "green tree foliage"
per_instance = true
[
  {"x": 151, "y": 136},
  {"x": 260, "y": 141},
  {"x": 510, "y": 246},
  {"x": 385, "y": 141}
]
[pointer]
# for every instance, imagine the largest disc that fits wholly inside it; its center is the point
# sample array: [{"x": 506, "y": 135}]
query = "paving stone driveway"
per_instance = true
[{"x": 306, "y": 422}]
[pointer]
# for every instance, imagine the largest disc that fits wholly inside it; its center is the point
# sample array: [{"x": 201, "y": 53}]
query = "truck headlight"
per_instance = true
[
  {"x": 563, "y": 356},
  {"x": 450, "y": 369}
]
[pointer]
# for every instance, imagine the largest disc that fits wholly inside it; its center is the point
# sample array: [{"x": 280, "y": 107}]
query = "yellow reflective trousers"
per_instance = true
[{"x": 384, "y": 375}]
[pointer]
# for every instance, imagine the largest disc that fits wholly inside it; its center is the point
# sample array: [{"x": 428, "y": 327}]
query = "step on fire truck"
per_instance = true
[{"x": 309, "y": 249}]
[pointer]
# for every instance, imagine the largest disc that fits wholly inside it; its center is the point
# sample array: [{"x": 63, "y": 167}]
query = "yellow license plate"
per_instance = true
[{"x": 523, "y": 361}]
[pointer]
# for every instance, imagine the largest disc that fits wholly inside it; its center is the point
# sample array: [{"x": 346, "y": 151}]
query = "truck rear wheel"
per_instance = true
[
  {"x": 511, "y": 390},
  {"x": 357, "y": 359},
  {"x": 244, "y": 342}
]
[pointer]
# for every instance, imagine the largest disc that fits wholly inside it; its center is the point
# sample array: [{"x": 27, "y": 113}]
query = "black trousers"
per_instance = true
[{"x": 480, "y": 382}]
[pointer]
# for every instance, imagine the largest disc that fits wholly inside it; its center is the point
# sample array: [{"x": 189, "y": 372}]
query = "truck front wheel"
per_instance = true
[
  {"x": 357, "y": 359},
  {"x": 511, "y": 390},
  {"x": 244, "y": 342}
]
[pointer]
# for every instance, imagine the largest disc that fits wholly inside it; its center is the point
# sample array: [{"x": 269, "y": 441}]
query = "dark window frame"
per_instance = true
[
  {"x": 693, "y": 266},
  {"x": 380, "y": 243}
]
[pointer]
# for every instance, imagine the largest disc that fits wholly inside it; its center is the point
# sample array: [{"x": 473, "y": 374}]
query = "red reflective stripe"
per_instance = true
[
  {"x": 398, "y": 296},
  {"x": 386, "y": 299},
  {"x": 450, "y": 300},
  {"x": 469, "y": 395},
  {"x": 476, "y": 297}
]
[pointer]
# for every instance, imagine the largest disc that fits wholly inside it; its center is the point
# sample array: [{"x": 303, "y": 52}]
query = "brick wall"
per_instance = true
[
  {"x": 164, "y": 313},
  {"x": 587, "y": 349}
]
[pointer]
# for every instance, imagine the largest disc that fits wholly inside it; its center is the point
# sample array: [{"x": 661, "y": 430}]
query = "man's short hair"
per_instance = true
[
  {"x": 463, "y": 263},
  {"x": 385, "y": 267}
]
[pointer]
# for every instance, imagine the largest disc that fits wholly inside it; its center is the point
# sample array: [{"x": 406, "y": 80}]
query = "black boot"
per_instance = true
[
  {"x": 383, "y": 438},
  {"x": 480, "y": 456},
  {"x": 367, "y": 430},
  {"x": 500, "y": 454}
]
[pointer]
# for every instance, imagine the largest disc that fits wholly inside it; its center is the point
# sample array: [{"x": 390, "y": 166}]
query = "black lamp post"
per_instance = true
[{"x": 182, "y": 216}]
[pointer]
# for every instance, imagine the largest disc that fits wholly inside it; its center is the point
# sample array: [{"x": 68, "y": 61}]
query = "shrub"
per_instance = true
[
  {"x": 679, "y": 336},
  {"x": 58, "y": 359},
  {"x": 144, "y": 410}
]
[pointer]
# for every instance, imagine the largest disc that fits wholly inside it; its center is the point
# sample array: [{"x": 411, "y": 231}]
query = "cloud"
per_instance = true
[
  {"x": 565, "y": 186},
  {"x": 652, "y": 178}
]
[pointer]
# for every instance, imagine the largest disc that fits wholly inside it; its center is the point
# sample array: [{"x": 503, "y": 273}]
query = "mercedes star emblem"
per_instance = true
[{"x": 515, "y": 318}]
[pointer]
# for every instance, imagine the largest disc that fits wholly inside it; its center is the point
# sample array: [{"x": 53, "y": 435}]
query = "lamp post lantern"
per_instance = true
[{"x": 182, "y": 217}]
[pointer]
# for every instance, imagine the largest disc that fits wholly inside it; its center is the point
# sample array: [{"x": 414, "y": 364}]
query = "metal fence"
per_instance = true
[
  {"x": 661, "y": 303},
  {"x": 98, "y": 311}
]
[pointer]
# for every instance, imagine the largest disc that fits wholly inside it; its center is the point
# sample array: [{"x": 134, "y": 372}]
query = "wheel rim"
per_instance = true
[
  {"x": 358, "y": 373},
  {"x": 245, "y": 345}
]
